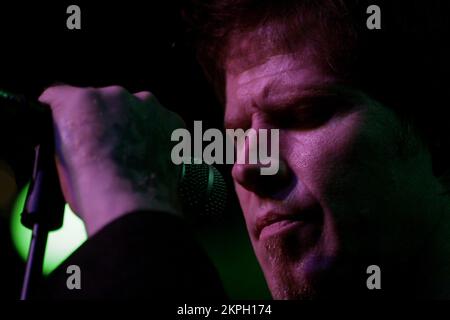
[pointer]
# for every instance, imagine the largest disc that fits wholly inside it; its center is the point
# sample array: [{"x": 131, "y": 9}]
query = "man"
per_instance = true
[{"x": 359, "y": 182}]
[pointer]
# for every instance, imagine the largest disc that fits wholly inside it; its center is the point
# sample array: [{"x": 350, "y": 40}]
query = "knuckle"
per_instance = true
[
  {"x": 90, "y": 91},
  {"x": 145, "y": 96},
  {"x": 115, "y": 90},
  {"x": 87, "y": 94}
]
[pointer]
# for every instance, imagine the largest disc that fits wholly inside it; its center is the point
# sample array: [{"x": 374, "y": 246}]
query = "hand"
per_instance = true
[{"x": 113, "y": 152}]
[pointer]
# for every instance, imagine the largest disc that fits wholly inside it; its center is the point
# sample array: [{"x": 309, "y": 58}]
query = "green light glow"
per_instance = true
[{"x": 61, "y": 243}]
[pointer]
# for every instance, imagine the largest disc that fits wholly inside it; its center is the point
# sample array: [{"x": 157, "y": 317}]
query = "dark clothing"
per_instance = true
[
  {"x": 12, "y": 267},
  {"x": 140, "y": 255}
]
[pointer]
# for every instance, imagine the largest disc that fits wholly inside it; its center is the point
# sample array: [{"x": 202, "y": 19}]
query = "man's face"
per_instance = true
[{"x": 343, "y": 197}]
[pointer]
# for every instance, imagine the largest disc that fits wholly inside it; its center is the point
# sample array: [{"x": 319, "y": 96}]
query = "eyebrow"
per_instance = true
[
  {"x": 307, "y": 95},
  {"x": 303, "y": 96}
]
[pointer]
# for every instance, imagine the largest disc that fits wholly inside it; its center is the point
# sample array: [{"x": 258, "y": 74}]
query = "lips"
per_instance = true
[{"x": 277, "y": 221}]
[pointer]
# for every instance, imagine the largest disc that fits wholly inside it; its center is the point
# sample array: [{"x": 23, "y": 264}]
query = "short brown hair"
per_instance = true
[{"x": 404, "y": 65}]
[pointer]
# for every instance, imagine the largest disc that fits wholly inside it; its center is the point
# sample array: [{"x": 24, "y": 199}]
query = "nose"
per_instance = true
[{"x": 265, "y": 186}]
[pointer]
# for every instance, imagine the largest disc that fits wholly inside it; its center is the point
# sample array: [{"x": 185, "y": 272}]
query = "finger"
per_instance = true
[
  {"x": 144, "y": 96},
  {"x": 55, "y": 93},
  {"x": 114, "y": 91}
]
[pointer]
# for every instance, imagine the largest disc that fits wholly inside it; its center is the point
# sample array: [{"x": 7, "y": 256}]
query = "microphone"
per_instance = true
[{"x": 202, "y": 189}]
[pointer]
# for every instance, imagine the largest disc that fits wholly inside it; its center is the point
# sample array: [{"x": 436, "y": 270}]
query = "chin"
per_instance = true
[
  {"x": 316, "y": 275},
  {"x": 306, "y": 279}
]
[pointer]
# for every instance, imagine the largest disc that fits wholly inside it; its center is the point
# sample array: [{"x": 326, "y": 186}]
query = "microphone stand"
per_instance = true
[{"x": 44, "y": 209}]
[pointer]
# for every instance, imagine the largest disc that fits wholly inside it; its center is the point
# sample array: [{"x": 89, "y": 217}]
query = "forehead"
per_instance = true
[
  {"x": 279, "y": 77},
  {"x": 261, "y": 74},
  {"x": 247, "y": 49}
]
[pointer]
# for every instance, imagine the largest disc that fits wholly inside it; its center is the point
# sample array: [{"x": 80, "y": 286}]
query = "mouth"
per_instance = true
[{"x": 278, "y": 222}]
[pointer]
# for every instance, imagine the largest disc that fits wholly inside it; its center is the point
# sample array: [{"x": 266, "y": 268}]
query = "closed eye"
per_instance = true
[{"x": 309, "y": 113}]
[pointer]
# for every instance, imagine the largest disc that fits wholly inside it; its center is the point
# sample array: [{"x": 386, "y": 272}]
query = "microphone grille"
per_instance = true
[{"x": 202, "y": 191}]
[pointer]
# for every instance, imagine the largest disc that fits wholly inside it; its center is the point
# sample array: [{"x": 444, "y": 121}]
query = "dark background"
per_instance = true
[{"x": 136, "y": 44}]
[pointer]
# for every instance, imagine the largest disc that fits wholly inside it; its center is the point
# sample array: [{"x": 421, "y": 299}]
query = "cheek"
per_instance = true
[
  {"x": 320, "y": 157},
  {"x": 349, "y": 162},
  {"x": 350, "y": 165}
]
